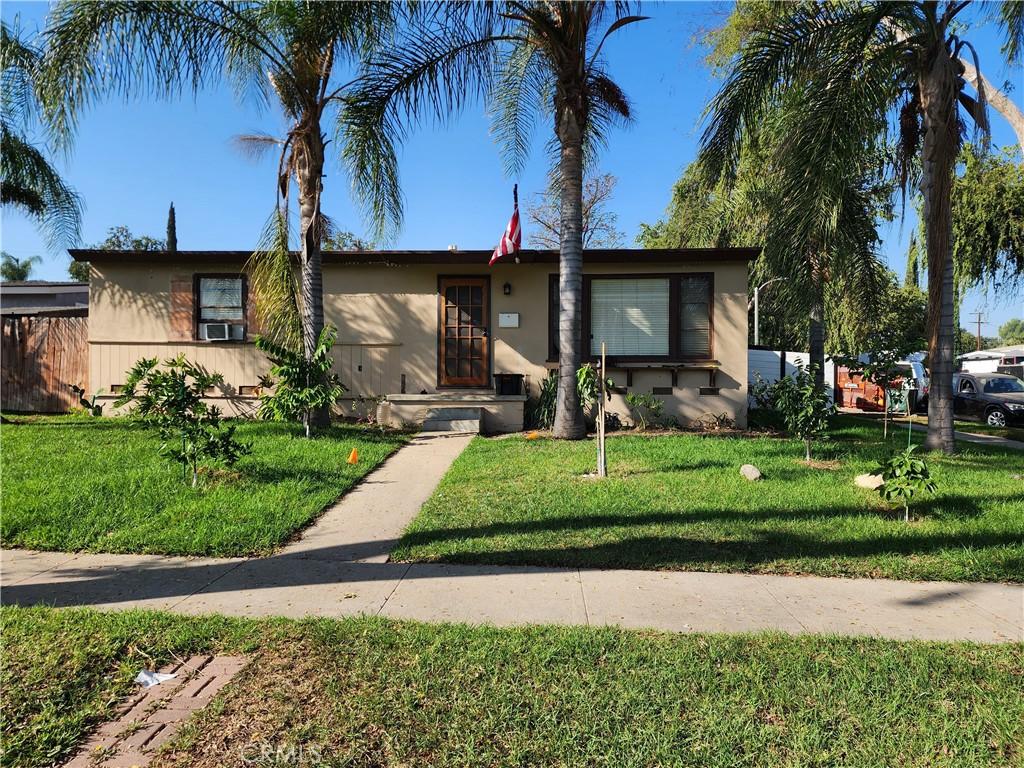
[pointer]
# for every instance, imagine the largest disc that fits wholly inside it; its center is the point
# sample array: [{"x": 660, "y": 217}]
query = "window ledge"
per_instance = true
[{"x": 694, "y": 365}]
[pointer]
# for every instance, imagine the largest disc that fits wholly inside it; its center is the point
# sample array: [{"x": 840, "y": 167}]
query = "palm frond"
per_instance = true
[
  {"x": 825, "y": 44},
  {"x": 30, "y": 183},
  {"x": 272, "y": 284},
  {"x": 1011, "y": 18},
  {"x": 255, "y": 146},
  {"x": 428, "y": 76},
  {"x": 521, "y": 94}
]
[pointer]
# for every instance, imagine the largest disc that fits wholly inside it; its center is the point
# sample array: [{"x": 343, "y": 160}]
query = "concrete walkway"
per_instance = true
[
  {"x": 339, "y": 568},
  {"x": 977, "y": 437}
]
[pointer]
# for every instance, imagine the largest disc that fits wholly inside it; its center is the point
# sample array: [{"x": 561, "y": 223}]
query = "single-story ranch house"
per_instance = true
[{"x": 432, "y": 331}]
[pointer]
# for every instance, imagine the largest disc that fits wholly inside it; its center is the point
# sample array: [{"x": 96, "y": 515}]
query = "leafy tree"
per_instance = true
[
  {"x": 79, "y": 271},
  {"x": 880, "y": 369},
  {"x": 600, "y": 224},
  {"x": 857, "y": 69},
  {"x": 904, "y": 476},
  {"x": 303, "y": 386},
  {"x": 118, "y": 239},
  {"x": 171, "y": 398},
  {"x": 28, "y": 182},
  {"x": 1012, "y": 331},
  {"x": 967, "y": 341},
  {"x": 525, "y": 60},
  {"x": 346, "y": 241},
  {"x": 123, "y": 239},
  {"x": 804, "y": 404},
  {"x": 988, "y": 222},
  {"x": 988, "y": 219},
  {"x": 14, "y": 270},
  {"x": 291, "y": 53}
]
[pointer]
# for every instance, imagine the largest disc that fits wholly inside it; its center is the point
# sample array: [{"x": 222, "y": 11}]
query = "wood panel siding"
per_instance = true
[
  {"x": 42, "y": 357},
  {"x": 182, "y": 308}
]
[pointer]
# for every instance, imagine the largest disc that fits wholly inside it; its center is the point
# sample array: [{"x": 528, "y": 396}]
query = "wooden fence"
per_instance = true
[{"x": 40, "y": 359}]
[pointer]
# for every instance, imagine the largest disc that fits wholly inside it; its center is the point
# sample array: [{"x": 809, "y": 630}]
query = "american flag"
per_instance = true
[{"x": 512, "y": 240}]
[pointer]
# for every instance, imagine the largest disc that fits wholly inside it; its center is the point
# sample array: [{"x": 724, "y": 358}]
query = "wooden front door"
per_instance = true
[{"x": 463, "y": 354}]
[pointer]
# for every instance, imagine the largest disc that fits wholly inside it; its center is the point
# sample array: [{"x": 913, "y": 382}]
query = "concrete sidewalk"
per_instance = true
[
  {"x": 323, "y": 583},
  {"x": 977, "y": 438},
  {"x": 339, "y": 568}
]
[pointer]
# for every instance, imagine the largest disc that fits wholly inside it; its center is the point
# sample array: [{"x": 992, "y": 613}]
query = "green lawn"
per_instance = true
[
  {"x": 78, "y": 483},
  {"x": 370, "y": 692},
  {"x": 678, "y": 502}
]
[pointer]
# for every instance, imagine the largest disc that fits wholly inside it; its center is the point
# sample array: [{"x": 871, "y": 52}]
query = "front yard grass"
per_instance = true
[
  {"x": 79, "y": 483},
  {"x": 368, "y": 691},
  {"x": 678, "y": 502}
]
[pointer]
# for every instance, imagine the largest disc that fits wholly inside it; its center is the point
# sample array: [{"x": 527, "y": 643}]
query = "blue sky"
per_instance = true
[{"x": 131, "y": 160}]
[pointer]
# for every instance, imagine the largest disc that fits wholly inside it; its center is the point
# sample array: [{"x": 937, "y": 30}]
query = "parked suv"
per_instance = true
[{"x": 995, "y": 398}]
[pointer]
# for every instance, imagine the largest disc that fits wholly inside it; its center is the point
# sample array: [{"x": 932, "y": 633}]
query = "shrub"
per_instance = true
[
  {"x": 904, "y": 475},
  {"x": 302, "y": 386},
  {"x": 90, "y": 407},
  {"x": 804, "y": 405},
  {"x": 171, "y": 399},
  {"x": 646, "y": 408},
  {"x": 542, "y": 411}
]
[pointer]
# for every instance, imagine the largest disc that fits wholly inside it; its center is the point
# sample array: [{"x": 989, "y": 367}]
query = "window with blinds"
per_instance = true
[
  {"x": 219, "y": 302},
  {"x": 657, "y": 317},
  {"x": 695, "y": 316},
  {"x": 630, "y": 316}
]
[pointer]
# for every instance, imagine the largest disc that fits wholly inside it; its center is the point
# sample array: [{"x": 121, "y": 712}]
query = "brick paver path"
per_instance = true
[{"x": 153, "y": 715}]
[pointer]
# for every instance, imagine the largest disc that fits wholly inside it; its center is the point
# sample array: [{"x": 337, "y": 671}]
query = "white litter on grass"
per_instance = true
[{"x": 148, "y": 679}]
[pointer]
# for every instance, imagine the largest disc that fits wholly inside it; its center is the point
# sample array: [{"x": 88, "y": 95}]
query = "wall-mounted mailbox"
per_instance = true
[{"x": 508, "y": 319}]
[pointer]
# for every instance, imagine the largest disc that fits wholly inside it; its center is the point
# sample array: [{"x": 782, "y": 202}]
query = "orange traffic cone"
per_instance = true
[{"x": 353, "y": 458}]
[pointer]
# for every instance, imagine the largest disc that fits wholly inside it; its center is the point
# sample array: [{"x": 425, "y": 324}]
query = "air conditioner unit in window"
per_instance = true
[{"x": 216, "y": 331}]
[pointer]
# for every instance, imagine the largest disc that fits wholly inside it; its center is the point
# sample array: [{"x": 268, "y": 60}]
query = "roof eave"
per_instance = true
[{"x": 396, "y": 257}]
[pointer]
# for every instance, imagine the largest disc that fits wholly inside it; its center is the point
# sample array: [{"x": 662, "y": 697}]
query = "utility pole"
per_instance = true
[
  {"x": 757, "y": 307},
  {"x": 978, "y": 319}
]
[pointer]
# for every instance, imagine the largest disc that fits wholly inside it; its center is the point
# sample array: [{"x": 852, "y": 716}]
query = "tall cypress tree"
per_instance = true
[{"x": 172, "y": 231}]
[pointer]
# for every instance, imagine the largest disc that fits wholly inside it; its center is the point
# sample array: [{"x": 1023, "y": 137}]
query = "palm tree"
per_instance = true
[
  {"x": 524, "y": 59},
  {"x": 15, "y": 270},
  {"x": 29, "y": 182},
  {"x": 862, "y": 68},
  {"x": 285, "y": 52}
]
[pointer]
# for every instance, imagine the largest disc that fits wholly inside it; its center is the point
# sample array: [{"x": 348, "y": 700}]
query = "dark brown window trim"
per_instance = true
[
  {"x": 197, "y": 310},
  {"x": 674, "y": 356}
]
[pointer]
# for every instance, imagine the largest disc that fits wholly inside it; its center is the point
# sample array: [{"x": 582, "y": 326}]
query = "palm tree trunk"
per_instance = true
[
  {"x": 938, "y": 87},
  {"x": 569, "y": 423},
  {"x": 309, "y": 174}
]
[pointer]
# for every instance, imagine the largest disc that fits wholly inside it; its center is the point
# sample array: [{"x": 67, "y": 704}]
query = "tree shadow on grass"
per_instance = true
[
  {"x": 960, "y": 506},
  {"x": 753, "y": 552}
]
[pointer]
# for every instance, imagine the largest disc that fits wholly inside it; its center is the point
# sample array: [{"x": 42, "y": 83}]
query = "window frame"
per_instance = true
[
  {"x": 674, "y": 323},
  {"x": 197, "y": 310}
]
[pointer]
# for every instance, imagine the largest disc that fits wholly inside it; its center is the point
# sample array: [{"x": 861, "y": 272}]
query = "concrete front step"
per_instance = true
[{"x": 453, "y": 420}]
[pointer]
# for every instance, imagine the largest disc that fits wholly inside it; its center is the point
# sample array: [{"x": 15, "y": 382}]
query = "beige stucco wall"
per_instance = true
[{"x": 387, "y": 327}]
